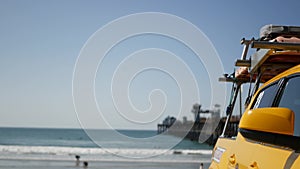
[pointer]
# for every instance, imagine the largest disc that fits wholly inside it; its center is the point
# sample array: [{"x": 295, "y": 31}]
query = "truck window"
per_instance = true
[
  {"x": 265, "y": 97},
  {"x": 291, "y": 99}
]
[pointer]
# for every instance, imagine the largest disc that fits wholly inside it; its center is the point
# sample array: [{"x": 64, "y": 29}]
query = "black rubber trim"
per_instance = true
[{"x": 292, "y": 142}]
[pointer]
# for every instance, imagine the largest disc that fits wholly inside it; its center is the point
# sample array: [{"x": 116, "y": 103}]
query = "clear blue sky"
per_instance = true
[{"x": 41, "y": 40}]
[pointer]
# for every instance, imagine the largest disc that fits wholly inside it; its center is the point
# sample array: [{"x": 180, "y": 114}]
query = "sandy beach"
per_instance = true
[{"x": 69, "y": 164}]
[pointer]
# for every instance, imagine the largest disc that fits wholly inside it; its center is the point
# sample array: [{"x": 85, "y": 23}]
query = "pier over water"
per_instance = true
[{"x": 192, "y": 129}]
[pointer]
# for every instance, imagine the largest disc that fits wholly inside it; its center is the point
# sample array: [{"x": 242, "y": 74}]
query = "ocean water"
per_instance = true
[{"x": 56, "y": 148}]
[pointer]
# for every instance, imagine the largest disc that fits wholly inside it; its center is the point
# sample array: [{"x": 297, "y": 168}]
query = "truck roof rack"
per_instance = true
[{"x": 270, "y": 59}]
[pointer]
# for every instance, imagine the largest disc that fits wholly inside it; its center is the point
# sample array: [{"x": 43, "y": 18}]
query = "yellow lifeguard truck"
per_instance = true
[{"x": 269, "y": 130}]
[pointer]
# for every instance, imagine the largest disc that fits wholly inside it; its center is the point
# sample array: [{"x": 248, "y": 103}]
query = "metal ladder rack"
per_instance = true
[{"x": 270, "y": 59}]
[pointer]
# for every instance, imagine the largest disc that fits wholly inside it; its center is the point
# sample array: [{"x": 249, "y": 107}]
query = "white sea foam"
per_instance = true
[{"x": 79, "y": 150}]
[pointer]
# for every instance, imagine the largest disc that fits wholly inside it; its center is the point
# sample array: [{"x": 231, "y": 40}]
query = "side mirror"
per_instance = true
[{"x": 272, "y": 119}]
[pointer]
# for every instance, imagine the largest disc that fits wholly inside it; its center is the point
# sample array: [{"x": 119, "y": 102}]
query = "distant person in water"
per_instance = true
[
  {"x": 77, "y": 160},
  {"x": 85, "y": 164},
  {"x": 201, "y": 166}
]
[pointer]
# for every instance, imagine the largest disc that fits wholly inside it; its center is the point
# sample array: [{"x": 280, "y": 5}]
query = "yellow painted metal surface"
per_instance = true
[
  {"x": 241, "y": 153},
  {"x": 244, "y": 154}
]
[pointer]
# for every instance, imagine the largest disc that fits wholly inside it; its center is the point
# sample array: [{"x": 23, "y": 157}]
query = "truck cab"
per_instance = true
[{"x": 269, "y": 130}]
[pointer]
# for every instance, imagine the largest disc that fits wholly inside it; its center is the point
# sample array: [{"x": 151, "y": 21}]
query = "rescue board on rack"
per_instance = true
[
  {"x": 271, "y": 59},
  {"x": 269, "y": 32}
]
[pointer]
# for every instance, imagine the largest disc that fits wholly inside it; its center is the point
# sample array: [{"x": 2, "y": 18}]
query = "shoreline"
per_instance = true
[{"x": 106, "y": 160}]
